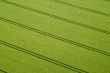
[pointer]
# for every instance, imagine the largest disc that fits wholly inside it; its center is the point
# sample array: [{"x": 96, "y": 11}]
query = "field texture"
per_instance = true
[{"x": 54, "y": 36}]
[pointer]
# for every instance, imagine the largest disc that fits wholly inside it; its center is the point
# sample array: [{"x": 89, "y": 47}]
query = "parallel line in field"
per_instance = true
[
  {"x": 55, "y": 36},
  {"x": 42, "y": 57},
  {"x": 57, "y": 17},
  {"x": 82, "y": 8}
]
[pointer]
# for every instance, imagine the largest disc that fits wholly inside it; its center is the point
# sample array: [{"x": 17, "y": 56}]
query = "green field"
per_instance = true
[{"x": 54, "y": 36}]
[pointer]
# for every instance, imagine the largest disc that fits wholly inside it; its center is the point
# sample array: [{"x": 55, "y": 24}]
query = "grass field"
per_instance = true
[{"x": 54, "y": 36}]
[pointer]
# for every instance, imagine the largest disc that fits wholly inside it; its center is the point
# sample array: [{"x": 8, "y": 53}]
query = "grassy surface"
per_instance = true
[{"x": 54, "y": 36}]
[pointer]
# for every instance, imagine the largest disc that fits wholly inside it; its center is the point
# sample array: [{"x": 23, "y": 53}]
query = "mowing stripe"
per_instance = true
[
  {"x": 55, "y": 37},
  {"x": 57, "y": 17},
  {"x": 82, "y": 8},
  {"x": 42, "y": 57}
]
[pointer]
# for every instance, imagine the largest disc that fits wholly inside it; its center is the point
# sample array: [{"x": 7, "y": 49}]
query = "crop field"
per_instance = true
[{"x": 54, "y": 36}]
